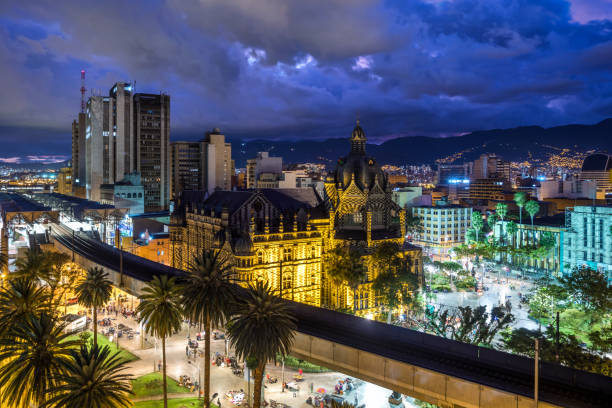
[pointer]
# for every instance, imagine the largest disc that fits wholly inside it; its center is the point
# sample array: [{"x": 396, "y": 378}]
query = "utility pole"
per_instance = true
[
  {"x": 557, "y": 338},
  {"x": 536, "y": 372},
  {"x": 73, "y": 246}
]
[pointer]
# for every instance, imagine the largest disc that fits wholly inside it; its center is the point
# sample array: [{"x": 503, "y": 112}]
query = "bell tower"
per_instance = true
[{"x": 358, "y": 140}]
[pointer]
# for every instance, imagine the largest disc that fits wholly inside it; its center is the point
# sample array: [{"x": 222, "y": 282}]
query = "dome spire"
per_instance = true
[{"x": 358, "y": 139}]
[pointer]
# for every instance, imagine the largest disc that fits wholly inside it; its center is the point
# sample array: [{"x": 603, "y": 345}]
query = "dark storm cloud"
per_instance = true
[{"x": 277, "y": 68}]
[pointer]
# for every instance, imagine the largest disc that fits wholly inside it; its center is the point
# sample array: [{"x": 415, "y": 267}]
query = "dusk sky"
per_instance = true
[{"x": 305, "y": 69}]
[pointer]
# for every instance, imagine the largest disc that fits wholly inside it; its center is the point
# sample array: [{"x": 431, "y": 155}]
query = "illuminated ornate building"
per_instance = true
[{"x": 283, "y": 235}]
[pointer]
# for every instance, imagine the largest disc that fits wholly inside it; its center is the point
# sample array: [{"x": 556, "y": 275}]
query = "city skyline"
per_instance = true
[{"x": 270, "y": 72}]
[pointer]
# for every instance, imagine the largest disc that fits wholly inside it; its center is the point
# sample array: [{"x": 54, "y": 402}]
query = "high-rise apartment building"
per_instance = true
[
  {"x": 78, "y": 150},
  {"x": 185, "y": 173},
  {"x": 152, "y": 148},
  {"x": 205, "y": 165},
  {"x": 127, "y": 133}
]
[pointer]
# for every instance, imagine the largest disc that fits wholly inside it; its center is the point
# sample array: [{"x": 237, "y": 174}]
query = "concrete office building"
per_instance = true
[
  {"x": 526, "y": 235},
  {"x": 597, "y": 168},
  {"x": 575, "y": 188},
  {"x": 263, "y": 163},
  {"x": 127, "y": 193},
  {"x": 449, "y": 174},
  {"x": 490, "y": 166},
  {"x": 588, "y": 241},
  {"x": 205, "y": 165},
  {"x": 128, "y": 133},
  {"x": 444, "y": 227},
  {"x": 152, "y": 137},
  {"x": 64, "y": 181},
  {"x": 78, "y": 151},
  {"x": 185, "y": 173},
  {"x": 217, "y": 165}
]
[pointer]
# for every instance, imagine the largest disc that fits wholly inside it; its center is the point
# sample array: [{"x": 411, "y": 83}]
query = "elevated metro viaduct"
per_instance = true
[{"x": 441, "y": 371}]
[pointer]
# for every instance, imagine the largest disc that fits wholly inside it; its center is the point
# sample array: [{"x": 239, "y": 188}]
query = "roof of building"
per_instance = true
[
  {"x": 597, "y": 162},
  {"x": 285, "y": 199}
]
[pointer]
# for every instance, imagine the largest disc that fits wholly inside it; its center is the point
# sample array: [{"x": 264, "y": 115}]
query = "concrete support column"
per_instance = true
[{"x": 4, "y": 249}]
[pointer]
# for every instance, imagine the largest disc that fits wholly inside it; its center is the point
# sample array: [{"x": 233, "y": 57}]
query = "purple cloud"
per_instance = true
[{"x": 279, "y": 69}]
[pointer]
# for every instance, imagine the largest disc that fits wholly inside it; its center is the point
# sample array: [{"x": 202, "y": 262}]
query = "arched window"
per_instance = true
[
  {"x": 287, "y": 280},
  {"x": 260, "y": 257}
]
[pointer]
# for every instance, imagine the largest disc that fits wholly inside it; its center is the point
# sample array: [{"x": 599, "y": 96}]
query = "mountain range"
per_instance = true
[{"x": 516, "y": 144}]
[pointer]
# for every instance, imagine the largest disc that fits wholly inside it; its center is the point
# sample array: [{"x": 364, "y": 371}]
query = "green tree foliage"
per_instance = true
[
  {"x": 344, "y": 265},
  {"x": 532, "y": 207},
  {"x": 207, "y": 297},
  {"x": 520, "y": 198},
  {"x": 20, "y": 298},
  {"x": 93, "y": 378},
  {"x": 262, "y": 327},
  {"x": 93, "y": 291},
  {"x": 588, "y": 288},
  {"x": 568, "y": 352},
  {"x": 394, "y": 281},
  {"x": 473, "y": 326},
  {"x": 161, "y": 313},
  {"x": 33, "y": 354},
  {"x": 414, "y": 225}
]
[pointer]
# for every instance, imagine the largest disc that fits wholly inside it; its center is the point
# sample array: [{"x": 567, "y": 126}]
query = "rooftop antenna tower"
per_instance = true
[{"x": 82, "y": 91}]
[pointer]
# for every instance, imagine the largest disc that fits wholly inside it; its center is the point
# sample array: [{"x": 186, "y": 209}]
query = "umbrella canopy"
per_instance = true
[{"x": 321, "y": 390}]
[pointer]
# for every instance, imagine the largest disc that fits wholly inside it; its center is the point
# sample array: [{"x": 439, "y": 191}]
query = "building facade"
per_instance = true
[
  {"x": 443, "y": 227},
  {"x": 128, "y": 133},
  {"x": 490, "y": 166},
  {"x": 597, "y": 168},
  {"x": 185, "y": 173},
  {"x": 575, "y": 188},
  {"x": 64, "y": 181},
  {"x": 204, "y": 165},
  {"x": 78, "y": 150},
  {"x": 127, "y": 193},
  {"x": 263, "y": 164},
  {"x": 282, "y": 236},
  {"x": 488, "y": 189},
  {"x": 588, "y": 240},
  {"x": 448, "y": 174},
  {"x": 530, "y": 236}
]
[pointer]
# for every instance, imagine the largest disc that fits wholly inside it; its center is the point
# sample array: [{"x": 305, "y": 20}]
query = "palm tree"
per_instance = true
[
  {"x": 262, "y": 327},
  {"x": 512, "y": 228},
  {"x": 501, "y": 209},
  {"x": 92, "y": 378},
  {"x": 532, "y": 207},
  {"x": 32, "y": 265},
  {"x": 207, "y": 297},
  {"x": 161, "y": 313},
  {"x": 93, "y": 291},
  {"x": 33, "y": 353},
  {"x": 20, "y": 298},
  {"x": 520, "y": 198},
  {"x": 477, "y": 223}
]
